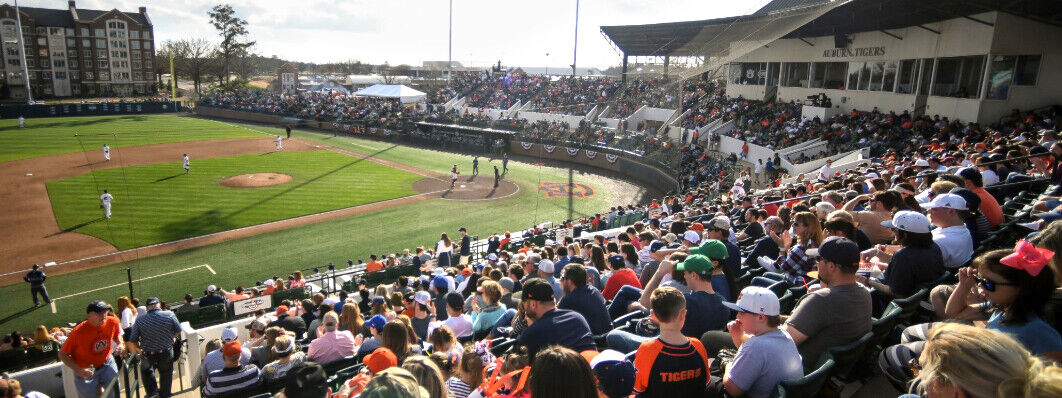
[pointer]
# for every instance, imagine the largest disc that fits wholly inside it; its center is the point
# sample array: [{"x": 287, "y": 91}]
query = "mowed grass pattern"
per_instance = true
[
  {"x": 53, "y": 136},
  {"x": 244, "y": 261},
  {"x": 159, "y": 203}
]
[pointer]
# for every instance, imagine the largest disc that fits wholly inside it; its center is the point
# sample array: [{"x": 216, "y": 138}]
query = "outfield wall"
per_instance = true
[{"x": 643, "y": 173}]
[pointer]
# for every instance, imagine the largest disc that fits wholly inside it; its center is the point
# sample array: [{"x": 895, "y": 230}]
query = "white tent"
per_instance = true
[{"x": 406, "y": 94}]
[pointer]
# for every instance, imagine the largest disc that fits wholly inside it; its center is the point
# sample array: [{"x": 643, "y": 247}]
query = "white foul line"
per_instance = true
[{"x": 125, "y": 283}]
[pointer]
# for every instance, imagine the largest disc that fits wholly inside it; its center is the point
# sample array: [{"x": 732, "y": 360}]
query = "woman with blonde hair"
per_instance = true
[
  {"x": 444, "y": 341},
  {"x": 288, "y": 356},
  {"x": 968, "y": 361},
  {"x": 428, "y": 375},
  {"x": 297, "y": 279},
  {"x": 127, "y": 315},
  {"x": 794, "y": 262},
  {"x": 42, "y": 337}
]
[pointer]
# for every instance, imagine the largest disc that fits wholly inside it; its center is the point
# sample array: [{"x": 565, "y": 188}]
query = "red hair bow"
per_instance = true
[{"x": 1028, "y": 258}]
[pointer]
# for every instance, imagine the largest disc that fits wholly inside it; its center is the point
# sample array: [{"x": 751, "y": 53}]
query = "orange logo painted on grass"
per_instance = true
[{"x": 563, "y": 190}]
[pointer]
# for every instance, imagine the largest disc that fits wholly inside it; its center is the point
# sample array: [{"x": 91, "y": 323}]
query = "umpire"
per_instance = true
[
  {"x": 36, "y": 279},
  {"x": 154, "y": 334}
]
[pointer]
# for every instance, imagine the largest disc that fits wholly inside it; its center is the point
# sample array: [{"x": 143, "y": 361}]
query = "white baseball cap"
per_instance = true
[
  {"x": 546, "y": 266},
  {"x": 910, "y": 221},
  {"x": 691, "y": 236},
  {"x": 212, "y": 288},
  {"x": 422, "y": 297},
  {"x": 921, "y": 163},
  {"x": 756, "y": 300},
  {"x": 948, "y": 201},
  {"x": 492, "y": 257},
  {"x": 269, "y": 282},
  {"x": 229, "y": 334}
]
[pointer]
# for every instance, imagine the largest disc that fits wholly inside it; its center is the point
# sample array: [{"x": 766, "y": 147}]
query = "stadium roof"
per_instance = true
[{"x": 713, "y": 36}]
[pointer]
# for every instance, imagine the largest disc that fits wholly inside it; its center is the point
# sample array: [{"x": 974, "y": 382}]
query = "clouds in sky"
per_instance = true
[{"x": 411, "y": 31}]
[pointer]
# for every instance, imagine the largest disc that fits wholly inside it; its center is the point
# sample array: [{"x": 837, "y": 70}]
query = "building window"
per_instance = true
[
  {"x": 135, "y": 54},
  {"x": 30, "y": 63},
  {"x": 116, "y": 25},
  {"x": 41, "y": 31},
  {"x": 58, "y": 63},
  {"x": 134, "y": 34},
  {"x": 147, "y": 54},
  {"x": 105, "y": 76},
  {"x": 889, "y": 82},
  {"x": 136, "y": 64},
  {"x": 72, "y": 53},
  {"x": 134, "y": 45},
  {"x": 46, "y": 74},
  {"x": 60, "y": 75},
  {"x": 959, "y": 77},
  {"x": 101, "y": 33},
  {"x": 69, "y": 31},
  {"x": 12, "y": 51},
  {"x": 13, "y": 62},
  {"x": 136, "y": 75},
  {"x": 85, "y": 32},
  {"x": 73, "y": 75},
  {"x": 795, "y": 74},
  {"x": 101, "y": 54},
  {"x": 43, "y": 52},
  {"x": 103, "y": 64},
  {"x": 55, "y": 31},
  {"x": 828, "y": 75},
  {"x": 86, "y": 43},
  {"x": 908, "y": 76},
  {"x": 100, "y": 43},
  {"x": 88, "y": 64},
  {"x": 71, "y": 42},
  {"x": 1026, "y": 69},
  {"x": 42, "y": 41},
  {"x": 88, "y": 76},
  {"x": 147, "y": 45},
  {"x": 749, "y": 73},
  {"x": 74, "y": 89}
]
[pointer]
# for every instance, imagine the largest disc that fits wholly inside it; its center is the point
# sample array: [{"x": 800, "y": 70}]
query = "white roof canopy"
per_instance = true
[{"x": 406, "y": 94}]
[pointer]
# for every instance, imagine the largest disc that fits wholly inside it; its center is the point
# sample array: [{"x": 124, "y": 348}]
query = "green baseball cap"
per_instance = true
[
  {"x": 697, "y": 264},
  {"x": 712, "y": 248}
]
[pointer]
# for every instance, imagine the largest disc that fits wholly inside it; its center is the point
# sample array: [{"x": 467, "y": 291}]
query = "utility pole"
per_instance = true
[
  {"x": 22, "y": 55},
  {"x": 450, "y": 46}
]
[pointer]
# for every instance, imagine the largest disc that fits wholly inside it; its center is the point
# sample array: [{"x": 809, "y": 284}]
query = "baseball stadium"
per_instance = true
[{"x": 812, "y": 198}]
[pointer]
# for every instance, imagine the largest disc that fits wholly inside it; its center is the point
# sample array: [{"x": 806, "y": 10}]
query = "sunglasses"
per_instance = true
[{"x": 990, "y": 285}]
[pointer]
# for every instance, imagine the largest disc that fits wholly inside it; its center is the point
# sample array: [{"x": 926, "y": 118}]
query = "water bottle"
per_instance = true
[{"x": 92, "y": 369}]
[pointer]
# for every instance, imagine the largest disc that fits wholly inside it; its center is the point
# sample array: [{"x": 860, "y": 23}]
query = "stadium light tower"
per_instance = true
[
  {"x": 450, "y": 46},
  {"x": 22, "y": 53},
  {"x": 575, "y": 47}
]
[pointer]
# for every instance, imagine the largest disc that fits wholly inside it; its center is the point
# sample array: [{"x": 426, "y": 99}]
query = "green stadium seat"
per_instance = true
[{"x": 209, "y": 315}]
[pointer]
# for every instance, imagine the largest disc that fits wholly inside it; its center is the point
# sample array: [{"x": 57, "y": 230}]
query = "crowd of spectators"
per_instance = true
[{"x": 320, "y": 106}]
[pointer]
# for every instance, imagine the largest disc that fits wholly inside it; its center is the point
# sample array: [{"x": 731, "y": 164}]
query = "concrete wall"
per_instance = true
[
  {"x": 643, "y": 173},
  {"x": 238, "y": 115}
]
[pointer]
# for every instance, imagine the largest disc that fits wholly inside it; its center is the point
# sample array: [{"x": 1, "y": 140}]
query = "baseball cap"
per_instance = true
[
  {"x": 422, "y": 297},
  {"x": 256, "y": 325},
  {"x": 306, "y": 380},
  {"x": 697, "y": 226},
  {"x": 229, "y": 334},
  {"x": 721, "y": 222},
  {"x": 269, "y": 282},
  {"x": 696, "y": 263},
  {"x": 546, "y": 266},
  {"x": 692, "y": 236},
  {"x": 98, "y": 306},
  {"x": 492, "y": 257},
  {"x": 947, "y": 201},
  {"x": 438, "y": 272},
  {"x": 507, "y": 283},
  {"x": 212, "y": 288},
  {"x": 376, "y": 322},
  {"x": 151, "y": 301},
  {"x": 906, "y": 220},
  {"x": 439, "y": 282},
  {"x": 616, "y": 261},
  {"x": 462, "y": 229},
  {"x": 970, "y": 173},
  {"x": 466, "y": 271},
  {"x": 712, "y": 248},
  {"x": 838, "y": 250},
  {"x": 656, "y": 245},
  {"x": 615, "y": 376},
  {"x": 232, "y": 348},
  {"x": 537, "y": 289},
  {"x": 282, "y": 310},
  {"x": 921, "y": 163},
  {"x": 756, "y": 300},
  {"x": 379, "y": 300},
  {"x": 380, "y": 359},
  {"x": 973, "y": 202}
]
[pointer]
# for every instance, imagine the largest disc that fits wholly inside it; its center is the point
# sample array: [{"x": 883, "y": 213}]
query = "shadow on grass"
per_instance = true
[
  {"x": 76, "y": 227},
  {"x": 170, "y": 177},
  {"x": 201, "y": 224},
  {"x": 21, "y": 313}
]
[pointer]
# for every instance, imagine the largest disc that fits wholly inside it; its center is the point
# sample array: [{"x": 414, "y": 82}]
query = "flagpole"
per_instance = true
[{"x": 22, "y": 53}]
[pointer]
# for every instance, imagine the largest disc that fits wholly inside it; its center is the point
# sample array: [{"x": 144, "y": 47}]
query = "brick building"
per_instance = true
[
  {"x": 288, "y": 78},
  {"x": 78, "y": 53}
]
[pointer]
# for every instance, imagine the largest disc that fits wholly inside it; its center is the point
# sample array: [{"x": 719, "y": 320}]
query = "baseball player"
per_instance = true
[
  {"x": 279, "y": 145},
  {"x": 186, "y": 164},
  {"x": 21, "y": 121},
  {"x": 475, "y": 165},
  {"x": 453, "y": 176},
  {"x": 505, "y": 161},
  {"x": 105, "y": 203},
  {"x": 106, "y": 153}
]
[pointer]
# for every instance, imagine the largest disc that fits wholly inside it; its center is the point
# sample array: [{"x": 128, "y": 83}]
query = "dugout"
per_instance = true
[{"x": 462, "y": 138}]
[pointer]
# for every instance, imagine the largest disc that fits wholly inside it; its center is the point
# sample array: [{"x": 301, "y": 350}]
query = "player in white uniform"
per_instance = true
[
  {"x": 279, "y": 146},
  {"x": 453, "y": 176},
  {"x": 105, "y": 203},
  {"x": 21, "y": 122},
  {"x": 106, "y": 153},
  {"x": 186, "y": 164}
]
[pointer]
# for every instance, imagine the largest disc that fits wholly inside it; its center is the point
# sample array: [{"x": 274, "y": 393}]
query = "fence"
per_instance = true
[{"x": 58, "y": 110}]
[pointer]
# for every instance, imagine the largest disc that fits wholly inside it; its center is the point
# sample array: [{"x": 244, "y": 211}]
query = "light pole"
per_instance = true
[
  {"x": 575, "y": 48},
  {"x": 22, "y": 52},
  {"x": 547, "y": 64},
  {"x": 450, "y": 46}
]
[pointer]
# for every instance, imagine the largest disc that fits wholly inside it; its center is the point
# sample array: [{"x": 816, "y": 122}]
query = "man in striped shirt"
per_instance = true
[
  {"x": 234, "y": 376},
  {"x": 154, "y": 333}
]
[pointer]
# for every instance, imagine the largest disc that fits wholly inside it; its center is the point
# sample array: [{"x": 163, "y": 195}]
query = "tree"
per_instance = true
[
  {"x": 196, "y": 58},
  {"x": 246, "y": 64},
  {"x": 232, "y": 30}
]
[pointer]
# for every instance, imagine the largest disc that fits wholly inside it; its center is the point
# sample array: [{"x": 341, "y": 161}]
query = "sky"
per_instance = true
[{"x": 412, "y": 31}]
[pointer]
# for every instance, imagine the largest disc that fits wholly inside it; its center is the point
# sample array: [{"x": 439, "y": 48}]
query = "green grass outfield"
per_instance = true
[
  {"x": 160, "y": 203},
  {"x": 53, "y": 136},
  {"x": 246, "y": 260}
]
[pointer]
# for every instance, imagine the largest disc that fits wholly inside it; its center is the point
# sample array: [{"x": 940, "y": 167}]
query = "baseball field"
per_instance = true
[{"x": 244, "y": 210}]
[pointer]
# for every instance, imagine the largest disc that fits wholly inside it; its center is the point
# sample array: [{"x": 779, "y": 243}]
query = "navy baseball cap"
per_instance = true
[
  {"x": 537, "y": 289},
  {"x": 98, "y": 306},
  {"x": 617, "y": 261}
]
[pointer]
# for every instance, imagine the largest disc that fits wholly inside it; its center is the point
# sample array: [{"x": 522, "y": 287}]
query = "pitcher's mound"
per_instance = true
[{"x": 255, "y": 180}]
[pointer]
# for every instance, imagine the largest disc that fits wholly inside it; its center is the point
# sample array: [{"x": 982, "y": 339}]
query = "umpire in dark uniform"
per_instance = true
[
  {"x": 154, "y": 333},
  {"x": 36, "y": 279}
]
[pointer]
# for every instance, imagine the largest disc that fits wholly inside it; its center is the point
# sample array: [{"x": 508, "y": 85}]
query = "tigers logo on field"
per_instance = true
[{"x": 561, "y": 190}]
